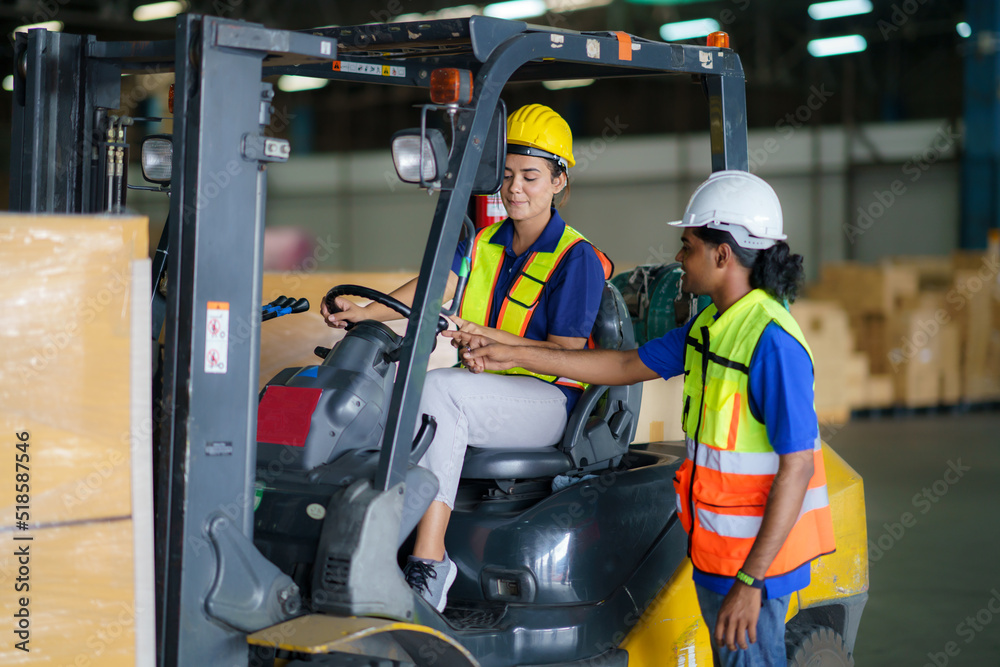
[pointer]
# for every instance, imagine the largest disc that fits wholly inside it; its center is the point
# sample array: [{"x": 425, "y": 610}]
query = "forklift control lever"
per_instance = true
[
  {"x": 283, "y": 305},
  {"x": 428, "y": 427}
]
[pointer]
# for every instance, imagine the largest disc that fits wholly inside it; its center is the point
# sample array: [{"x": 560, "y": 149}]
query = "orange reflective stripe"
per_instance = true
[{"x": 734, "y": 424}]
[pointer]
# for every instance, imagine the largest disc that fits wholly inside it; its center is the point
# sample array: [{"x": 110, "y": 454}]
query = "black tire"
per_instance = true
[{"x": 816, "y": 646}]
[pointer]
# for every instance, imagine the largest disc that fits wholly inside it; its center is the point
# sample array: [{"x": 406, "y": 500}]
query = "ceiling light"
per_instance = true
[
  {"x": 964, "y": 29},
  {"x": 459, "y": 12},
  {"x": 293, "y": 84},
  {"x": 562, "y": 84},
  {"x": 575, "y": 5},
  {"x": 158, "y": 10},
  {"x": 835, "y": 46},
  {"x": 51, "y": 26},
  {"x": 664, "y": 2},
  {"x": 8, "y": 82},
  {"x": 832, "y": 10},
  {"x": 675, "y": 32},
  {"x": 515, "y": 9}
]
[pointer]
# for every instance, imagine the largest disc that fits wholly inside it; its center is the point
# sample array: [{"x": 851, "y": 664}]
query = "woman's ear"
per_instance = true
[{"x": 559, "y": 182}]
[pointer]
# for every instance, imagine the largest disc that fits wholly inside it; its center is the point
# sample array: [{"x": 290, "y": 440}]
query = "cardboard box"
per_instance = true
[
  {"x": 915, "y": 357},
  {"x": 826, "y": 328},
  {"x": 75, "y": 377}
]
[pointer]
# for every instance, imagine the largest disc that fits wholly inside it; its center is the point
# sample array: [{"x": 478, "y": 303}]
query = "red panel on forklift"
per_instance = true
[{"x": 284, "y": 415}]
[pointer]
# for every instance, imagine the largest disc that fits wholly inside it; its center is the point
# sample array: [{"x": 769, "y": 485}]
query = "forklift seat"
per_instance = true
[{"x": 599, "y": 429}]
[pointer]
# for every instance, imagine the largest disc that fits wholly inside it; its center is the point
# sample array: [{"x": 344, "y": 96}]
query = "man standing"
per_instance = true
[{"x": 752, "y": 492}]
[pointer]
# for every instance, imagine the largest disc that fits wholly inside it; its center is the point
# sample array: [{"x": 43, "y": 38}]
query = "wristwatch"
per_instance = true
[{"x": 745, "y": 578}]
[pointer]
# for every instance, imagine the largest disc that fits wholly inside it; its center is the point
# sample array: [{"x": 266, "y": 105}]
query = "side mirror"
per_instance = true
[
  {"x": 157, "y": 158},
  {"x": 417, "y": 160},
  {"x": 489, "y": 176}
]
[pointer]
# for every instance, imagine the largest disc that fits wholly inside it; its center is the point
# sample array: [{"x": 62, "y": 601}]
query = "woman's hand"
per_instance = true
[
  {"x": 469, "y": 327},
  {"x": 350, "y": 312},
  {"x": 465, "y": 341}
]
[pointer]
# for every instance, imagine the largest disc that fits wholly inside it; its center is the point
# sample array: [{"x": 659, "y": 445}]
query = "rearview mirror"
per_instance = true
[
  {"x": 157, "y": 158},
  {"x": 489, "y": 176}
]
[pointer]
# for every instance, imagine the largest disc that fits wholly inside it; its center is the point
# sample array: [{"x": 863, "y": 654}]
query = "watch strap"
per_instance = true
[{"x": 745, "y": 578}]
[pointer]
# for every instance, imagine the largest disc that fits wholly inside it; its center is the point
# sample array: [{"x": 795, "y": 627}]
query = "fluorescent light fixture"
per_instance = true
[
  {"x": 822, "y": 11},
  {"x": 515, "y": 9},
  {"x": 158, "y": 10},
  {"x": 51, "y": 26},
  {"x": 835, "y": 46},
  {"x": 562, "y": 84},
  {"x": 459, "y": 12},
  {"x": 293, "y": 84},
  {"x": 675, "y": 32},
  {"x": 8, "y": 82},
  {"x": 575, "y": 5},
  {"x": 964, "y": 29}
]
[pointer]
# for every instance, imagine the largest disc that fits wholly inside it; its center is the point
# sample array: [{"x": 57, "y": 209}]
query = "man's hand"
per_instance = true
[
  {"x": 480, "y": 353},
  {"x": 738, "y": 617},
  {"x": 464, "y": 341},
  {"x": 349, "y": 312}
]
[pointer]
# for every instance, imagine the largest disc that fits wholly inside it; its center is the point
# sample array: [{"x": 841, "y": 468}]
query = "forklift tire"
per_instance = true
[{"x": 816, "y": 646}]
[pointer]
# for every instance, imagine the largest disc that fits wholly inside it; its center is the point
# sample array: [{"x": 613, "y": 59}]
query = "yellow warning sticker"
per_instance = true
[{"x": 371, "y": 69}]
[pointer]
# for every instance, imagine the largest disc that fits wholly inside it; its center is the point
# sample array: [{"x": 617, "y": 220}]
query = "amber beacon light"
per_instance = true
[
  {"x": 719, "y": 39},
  {"x": 451, "y": 86}
]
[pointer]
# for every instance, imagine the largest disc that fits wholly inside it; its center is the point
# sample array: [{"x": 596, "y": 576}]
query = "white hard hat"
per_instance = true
[{"x": 739, "y": 203}]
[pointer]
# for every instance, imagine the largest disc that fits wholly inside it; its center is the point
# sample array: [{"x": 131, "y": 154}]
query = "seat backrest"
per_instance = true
[
  {"x": 604, "y": 421},
  {"x": 613, "y": 326}
]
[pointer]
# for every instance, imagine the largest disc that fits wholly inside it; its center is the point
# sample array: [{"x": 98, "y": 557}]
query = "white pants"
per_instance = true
[{"x": 486, "y": 410}]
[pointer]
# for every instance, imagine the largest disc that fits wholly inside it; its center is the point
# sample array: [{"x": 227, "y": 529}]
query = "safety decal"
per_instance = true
[
  {"x": 368, "y": 68},
  {"x": 217, "y": 337},
  {"x": 593, "y": 48},
  {"x": 706, "y": 59},
  {"x": 556, "y": 41}
]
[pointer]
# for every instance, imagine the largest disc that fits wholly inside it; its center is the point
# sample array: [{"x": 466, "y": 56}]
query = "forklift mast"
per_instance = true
[{"x": 66, "y": 92}]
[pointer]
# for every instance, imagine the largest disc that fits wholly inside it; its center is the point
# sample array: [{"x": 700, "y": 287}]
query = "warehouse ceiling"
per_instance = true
[{"x": 910, "y": 70}]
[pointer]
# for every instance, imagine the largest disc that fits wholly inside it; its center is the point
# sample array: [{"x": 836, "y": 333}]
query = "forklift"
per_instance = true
[{"x": 280, "y": 513}]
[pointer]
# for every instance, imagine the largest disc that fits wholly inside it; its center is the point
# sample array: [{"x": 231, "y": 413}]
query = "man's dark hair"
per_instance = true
[{"x": 775, "y": 270}]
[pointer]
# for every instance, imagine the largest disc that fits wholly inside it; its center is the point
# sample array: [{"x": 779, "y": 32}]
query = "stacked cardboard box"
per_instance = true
[
  {"x": 930, "y": 326},
  {"x": 839, "y": 374},
  {"x": 77, "y": 574}
]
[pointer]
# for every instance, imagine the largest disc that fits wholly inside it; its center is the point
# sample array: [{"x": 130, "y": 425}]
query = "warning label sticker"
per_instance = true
[
  {"x": 217, "y": 337},
  {"x": 368, "y": 68}
]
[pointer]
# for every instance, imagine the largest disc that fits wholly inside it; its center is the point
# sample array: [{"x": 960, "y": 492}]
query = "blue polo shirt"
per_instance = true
[
  {"x": 781, "y": 396},
  {"x": 569, "y": 301}
]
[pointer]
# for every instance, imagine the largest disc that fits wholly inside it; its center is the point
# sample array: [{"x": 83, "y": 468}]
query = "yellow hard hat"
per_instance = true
[{"x": 537, "y": 130}]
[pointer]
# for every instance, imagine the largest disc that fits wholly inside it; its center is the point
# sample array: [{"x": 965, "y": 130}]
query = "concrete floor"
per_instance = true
[{"x": 935, "y": 572}]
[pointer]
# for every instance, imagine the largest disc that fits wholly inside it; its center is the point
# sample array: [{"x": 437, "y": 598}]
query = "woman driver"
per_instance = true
[{"x": 534, "y": 281}]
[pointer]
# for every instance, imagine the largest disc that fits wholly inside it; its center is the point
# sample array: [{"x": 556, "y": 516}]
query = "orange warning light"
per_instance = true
[
  {"x": 450, "y": 85},
  {"x": 719, "y": 40}
]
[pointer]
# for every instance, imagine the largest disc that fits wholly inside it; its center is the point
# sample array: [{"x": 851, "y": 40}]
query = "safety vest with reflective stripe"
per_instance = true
[
  {"x": 723, "y": 486},
  {"x": 524, "y": 293}
]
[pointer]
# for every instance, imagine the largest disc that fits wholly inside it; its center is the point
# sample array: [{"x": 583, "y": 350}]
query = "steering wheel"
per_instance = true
[{"x": 376, "y": 296}]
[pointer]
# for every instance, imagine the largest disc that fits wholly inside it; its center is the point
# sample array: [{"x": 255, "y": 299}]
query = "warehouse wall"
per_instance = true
[{"x": 866, "y": 193}]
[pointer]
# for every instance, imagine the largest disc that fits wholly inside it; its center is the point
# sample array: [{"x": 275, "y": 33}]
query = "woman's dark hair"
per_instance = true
[{"x": 775, "y": 270}]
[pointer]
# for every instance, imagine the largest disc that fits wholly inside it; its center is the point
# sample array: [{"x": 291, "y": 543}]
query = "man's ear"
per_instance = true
[{"x": 724, "y": 254}]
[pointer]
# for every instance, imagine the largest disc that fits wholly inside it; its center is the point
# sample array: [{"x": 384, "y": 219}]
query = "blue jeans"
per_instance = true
[{"x": 767, "y": 651}]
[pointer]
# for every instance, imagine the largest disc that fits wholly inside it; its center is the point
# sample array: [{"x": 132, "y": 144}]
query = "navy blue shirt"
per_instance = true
[
  {"x": 781, "y": 396},
  {"x": 569, "y": 301}
]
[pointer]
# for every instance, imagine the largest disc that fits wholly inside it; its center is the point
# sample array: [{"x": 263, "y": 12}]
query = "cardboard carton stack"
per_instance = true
[
  {"x": 929, "y": 326},
  {"x": 77, "y": 574}
]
